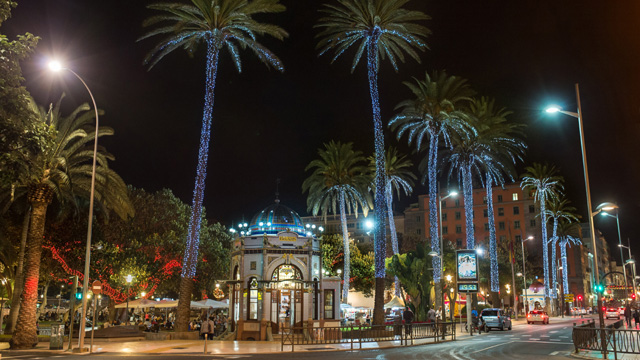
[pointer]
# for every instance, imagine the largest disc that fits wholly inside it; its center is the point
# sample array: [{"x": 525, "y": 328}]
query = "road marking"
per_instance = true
[
  {"x": 552, "y": 332},
  {"x": 490, "y": 347},
  {"x": 564, "y": 337},
  {"x": 532, "y": 339},
  {"x": 526, "y": 335},
  {"x": 554, "y": 353},
  {"x": 556, "y": 340}
]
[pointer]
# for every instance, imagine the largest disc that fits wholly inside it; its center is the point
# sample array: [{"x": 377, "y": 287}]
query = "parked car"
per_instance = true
[
  {"x": 496, "y": 319},
  {"x": 537, "y": 316},
  {"x": 612, "y": 313}
]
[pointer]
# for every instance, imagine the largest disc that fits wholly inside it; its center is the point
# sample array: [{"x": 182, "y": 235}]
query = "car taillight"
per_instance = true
[{"x": 529, "y": 315}]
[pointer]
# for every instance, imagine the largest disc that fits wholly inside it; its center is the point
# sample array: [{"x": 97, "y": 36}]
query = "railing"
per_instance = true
[
  {"x": 611, "y": 339},
  {"x": 363, "y": 334}
]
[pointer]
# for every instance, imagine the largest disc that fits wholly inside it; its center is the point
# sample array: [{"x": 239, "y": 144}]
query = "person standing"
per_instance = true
[
  {"x": 407, "y": 316},
  {"x": 627, "y": 315},
  {"x": 439, "y": 314},
  {"x": 636, "y": 317},
  {"x": 431, "y": 316}
]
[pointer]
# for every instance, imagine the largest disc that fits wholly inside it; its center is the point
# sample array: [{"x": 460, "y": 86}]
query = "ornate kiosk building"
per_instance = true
[{"x": 277, "y": 279}]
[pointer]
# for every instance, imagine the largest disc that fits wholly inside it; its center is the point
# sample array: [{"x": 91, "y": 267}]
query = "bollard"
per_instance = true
[{"x": 206, "y": 336}]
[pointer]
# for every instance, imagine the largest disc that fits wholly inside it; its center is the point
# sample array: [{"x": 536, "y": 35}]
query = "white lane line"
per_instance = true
[
  {"x": 564, "y": 337},
  {"x": 526, "y": 335},
  {"x": 553, "y": 332},
  {"x": 490, "y": 347},
  {"x": 554, "y": 353},
  {"x": 546, "y": 342},
  {"x": 532, "y": 339}
]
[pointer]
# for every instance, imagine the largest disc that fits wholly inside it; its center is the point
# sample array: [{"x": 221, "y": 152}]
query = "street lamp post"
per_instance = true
[
  {"x": 59, "y": 300},
  {"x": 603, "y": 210},
  {"x": 592, "y": 231},
  {"x": 524, "y": 277},
  {"x": 129, "y": 279},
  {"x": 441, "y": 254},
  {"x": 632, "y": 262},
  {"x": 56, "y": 66}
]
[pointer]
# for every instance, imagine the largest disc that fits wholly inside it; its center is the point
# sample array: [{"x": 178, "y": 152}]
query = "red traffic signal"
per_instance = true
[
  {"x": 633, "y": 296},
  {"x": 579, "y": 297}
]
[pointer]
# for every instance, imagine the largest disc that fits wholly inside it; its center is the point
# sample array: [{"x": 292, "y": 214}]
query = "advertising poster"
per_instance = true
[{"x": 467, "y": 265}]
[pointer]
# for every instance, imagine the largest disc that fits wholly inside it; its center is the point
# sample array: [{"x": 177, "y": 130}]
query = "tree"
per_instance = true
[
  {"x": 220, "y": 24},
  {"x": 558, "y": 209},
  {"x": 385, "y": 30},
  {"x": 64, "y": 172},
  {"x": 398, "y": 176},
  {"x": 435, "y": 112},
  {"x": 362, "y": 274},
  {"x": 568, "y": 232},
  {"x": 338, "y": 183},
  {"x": 546, "y": 185}
]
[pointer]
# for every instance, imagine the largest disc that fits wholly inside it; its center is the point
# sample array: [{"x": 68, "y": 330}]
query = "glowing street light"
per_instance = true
[
  {"x": 604, "y": 209},
  {"x": 56, "y": 66}
]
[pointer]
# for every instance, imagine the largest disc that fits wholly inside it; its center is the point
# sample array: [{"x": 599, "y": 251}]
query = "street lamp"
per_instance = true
[
  {"x": 603, "y": 209},
  {"x": 578, "y": 115},
  {"x": 56, "y": 66},
  {"x": 630, "y": 261},
  {"x": 524, "y": 277},
  {"x": 128, "y": 279}
]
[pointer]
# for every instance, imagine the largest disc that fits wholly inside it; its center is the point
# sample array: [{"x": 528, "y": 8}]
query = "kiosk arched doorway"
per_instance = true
[{"x": 287, "y": 290}]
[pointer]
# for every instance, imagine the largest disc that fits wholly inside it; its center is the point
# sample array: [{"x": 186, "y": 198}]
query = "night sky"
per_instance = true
[{"x": 268, "y": 125}]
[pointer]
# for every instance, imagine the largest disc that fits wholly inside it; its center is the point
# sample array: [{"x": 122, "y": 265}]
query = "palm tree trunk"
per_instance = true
[
  {"x": 563, "y": 256},
  {"x": 552, "y": 242},
  {"x": 193, "y": 238},
  {"x": 545, "y": 246},
  {"x": 467, "y": 190},
  {"x": 347, "y": 251},
  {"x": 379, "y": 232},
  {"x": 19, "y": 282},
  {"x": 394, "y": 235},
  {"x": 432, "y": 165},
  {"x": 24, "y": 336},
  {"x": 493, "y": 246}
]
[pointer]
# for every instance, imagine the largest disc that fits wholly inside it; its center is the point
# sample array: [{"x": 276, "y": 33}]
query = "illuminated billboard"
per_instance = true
[{"x": 467, "y": 265}]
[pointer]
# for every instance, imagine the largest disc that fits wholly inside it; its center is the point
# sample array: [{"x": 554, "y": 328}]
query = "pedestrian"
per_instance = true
[
  {"x": 627, "y": 315},
  {"x": 636, "y": 317},
  {"x": 439, "y": 314},
  {"x": 407, "y": 316},
  {"x": 431, "y": 316}
]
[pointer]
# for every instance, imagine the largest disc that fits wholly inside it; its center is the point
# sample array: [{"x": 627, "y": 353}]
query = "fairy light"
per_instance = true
[
  {"x": 493, "y": 251},
  {"x": 467, "y": 189},
  {"x": 552, "y": 243}
]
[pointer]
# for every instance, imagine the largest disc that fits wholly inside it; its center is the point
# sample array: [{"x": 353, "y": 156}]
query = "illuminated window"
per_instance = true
[
  {"x": 252, "y": 314},
  {"x": 253, "y": 265},
  {"x": 329, "y": 303},
  {"x": 515, "y": 196}
]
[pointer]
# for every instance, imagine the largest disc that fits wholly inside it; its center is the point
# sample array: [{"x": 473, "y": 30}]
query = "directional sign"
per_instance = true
[{"x": 96, "y": 287}]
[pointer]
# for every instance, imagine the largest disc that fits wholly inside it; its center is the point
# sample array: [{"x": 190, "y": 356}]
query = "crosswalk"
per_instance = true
[{"x": 523, "y": 337}]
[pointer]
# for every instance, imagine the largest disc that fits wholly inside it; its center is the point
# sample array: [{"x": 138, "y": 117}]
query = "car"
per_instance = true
[
  {"x": 537, "y": 316},
  {"x": 612, "y": 313},
  {"x": 495, "y": 319}
]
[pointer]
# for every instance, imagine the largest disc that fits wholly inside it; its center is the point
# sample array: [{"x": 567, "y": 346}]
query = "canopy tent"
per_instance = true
[
  {"x": 166, "y": 304},
  {"x": 395, "y": 302},
  {"x": 138, "y": 304},
  {"x": 209, "y": 303}
]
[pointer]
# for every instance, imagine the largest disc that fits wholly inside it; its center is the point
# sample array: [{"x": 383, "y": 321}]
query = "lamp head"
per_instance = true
[
  {"x": 368, "y": 224},
  {"x": 552, "y": 109},
  {"x": 607, "y": 206},
  {"x": 433, "y": 253},
  {"x": 453, "y": 193},
  {"x": 530, "y": 237},
  {"x": 519, "y": 274},
  {"x": 129, "y": 279},
  {"x": 55, "y": 66}
]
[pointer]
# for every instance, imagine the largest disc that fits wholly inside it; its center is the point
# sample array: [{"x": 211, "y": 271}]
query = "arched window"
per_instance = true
[
  {"x": 252, "y": 313},
  {"x": 286, "y": 272}
]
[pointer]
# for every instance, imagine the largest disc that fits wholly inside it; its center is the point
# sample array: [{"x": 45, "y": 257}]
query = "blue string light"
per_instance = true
[
  {"x": 552, "y": 243},
  {"x": 433, "y": 204},
  {"x": 467, "y": 190},
  {"x": 495, "y": 280}
]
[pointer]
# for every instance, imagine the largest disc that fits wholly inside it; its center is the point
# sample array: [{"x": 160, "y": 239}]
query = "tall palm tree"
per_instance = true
[
  {"x": 219, "y": 24},
  {"x": 338, "y": 183},
  {"x": 385, "y": 29},
  {"x": 568, "y": 232},
  {"x": 500, "y": 147},
  {"x": 544, "y": 181},
  {"x": 62, "y": 172},
  {"x": 435, "y": 113},
  {"x": 558, "y": 209},
  {"x": 399, "y": 177}
]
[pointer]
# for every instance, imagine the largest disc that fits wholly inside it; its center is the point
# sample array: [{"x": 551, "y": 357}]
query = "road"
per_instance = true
[{"x": 537, "y": 341}]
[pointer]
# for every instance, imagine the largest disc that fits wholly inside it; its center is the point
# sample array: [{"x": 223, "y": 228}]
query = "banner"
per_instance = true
[{"x": 467, "y": 265}]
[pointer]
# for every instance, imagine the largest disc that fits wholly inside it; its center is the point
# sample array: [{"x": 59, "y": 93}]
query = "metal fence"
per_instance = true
[
  {"x": 363, "y": 334},
  {"x": 611, "y": 339}
]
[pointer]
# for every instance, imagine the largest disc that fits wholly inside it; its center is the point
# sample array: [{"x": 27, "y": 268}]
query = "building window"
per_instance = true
[
  {"x": 350, "y": 225},
  {"x": 485, "y": 213},
  {"x": 445, "y": 230},
  {"x": 516, "y": 224},
  {"x": 329, "y": 303},
  {"x": 518, "y": 238},
  {"x": 516, "y": 210},
  {"x": 458, "y": 243},
  {"x": 515, "y": 196},
  {"x": 444, "y": 204},
  {"x": 457, "y": 202},
  {"x": 501, "y": 225},
  {"x": 418, "y": 231},
  {"x": 253, "y": 265},
  {"x": 532, "y": 209},
  {"x": 532, "y": 223},
  {"x": 500, "y": 211},
  {"x": 458, "y": 229},
  {"x": 444, "y": 216},
  {"x": 499, "y": 198},
  {"x": 458, "y": 216},
  {"x": 484, "y": 199},
  {"x": 486, "y": 226},
  {"x": 417, "y": 218},
  {"x": 252, "y": 314}
]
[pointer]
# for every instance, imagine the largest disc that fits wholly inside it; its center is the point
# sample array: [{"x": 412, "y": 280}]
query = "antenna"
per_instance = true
[{"x": 277, "y": 192}]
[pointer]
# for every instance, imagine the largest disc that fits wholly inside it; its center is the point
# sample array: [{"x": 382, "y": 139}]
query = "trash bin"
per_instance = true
[{"x": 57, "y": 337}]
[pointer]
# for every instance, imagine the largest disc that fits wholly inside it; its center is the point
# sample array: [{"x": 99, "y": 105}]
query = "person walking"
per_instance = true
[
  {"x": 636, "y": 317},
  {"x": 439, "y": 314},
  {"x": 627, "y": 315},
  {"x": 431, "y": 316}
]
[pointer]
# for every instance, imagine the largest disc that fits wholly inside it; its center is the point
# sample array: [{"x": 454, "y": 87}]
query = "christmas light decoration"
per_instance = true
[
  {"x": 467, "y": 191},
  {"x": 493, "y": 248},
  {"x": 552, "y": 243},
  {"x": 565, "y": 241}
]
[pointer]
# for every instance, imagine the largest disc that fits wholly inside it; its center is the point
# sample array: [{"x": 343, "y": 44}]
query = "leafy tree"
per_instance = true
[
  {"x": 362, "y": 272},
  {"x": 434, "y": 112},
  {"x": 62, "y": 172},
  {"x": 546, "y": 184},
  {"x": 219, "y": 24},
  {"x": 338, "y": 183},
  {"x": 398, "y": 177},
  {"x": 385, "y": 29}
]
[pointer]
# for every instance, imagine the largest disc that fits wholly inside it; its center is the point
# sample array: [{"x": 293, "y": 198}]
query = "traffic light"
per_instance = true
[
  {"x": 599, "y": 289},
  {"x": 79, "y": 294},
  {"x": 579, "y": 297},
  {"x": 633, "y": 296}
]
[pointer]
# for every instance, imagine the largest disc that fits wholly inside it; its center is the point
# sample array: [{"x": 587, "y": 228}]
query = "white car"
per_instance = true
[{"x": 612, "y": 313}]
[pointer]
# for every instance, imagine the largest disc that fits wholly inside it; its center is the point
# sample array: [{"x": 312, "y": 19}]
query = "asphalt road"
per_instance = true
[{"x": 534, "y": 341}]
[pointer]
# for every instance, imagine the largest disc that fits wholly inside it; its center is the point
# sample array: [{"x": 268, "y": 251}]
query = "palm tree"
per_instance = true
[
  {"x": 338, "y": 183},
  {"x": 558, "y": 209},
  {"x": 399, "y": 177},
  {"x": 435, "y": 112},
  {"x": 546, "y": 185},
  {"x": 219, "y": 24},
  {"x": 63, "y": 171},
  {"x": 500, "y": 146},
  {"x": 385, "y": 30},
  {"x": 568, "y": 232}
]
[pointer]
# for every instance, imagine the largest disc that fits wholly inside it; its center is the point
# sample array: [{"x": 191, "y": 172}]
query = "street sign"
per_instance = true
[
  {"x": 96, "y": 287},
  {"x": 468, "y": 287},
  {"x": 568, "y": 298}
]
